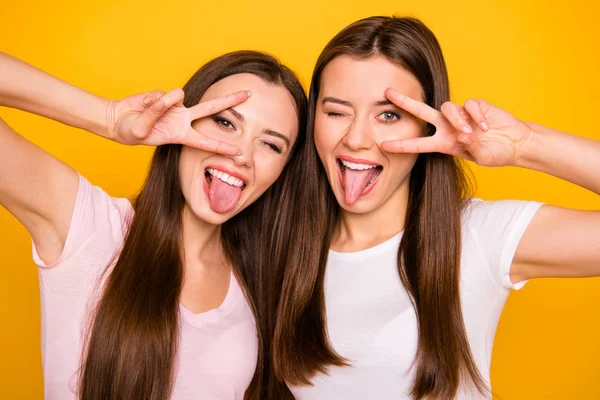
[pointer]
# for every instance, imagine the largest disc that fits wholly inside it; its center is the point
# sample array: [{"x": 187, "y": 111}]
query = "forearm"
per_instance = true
[
  {"x": 27, "y": 88},
  {"x": 572, "y": 158}
]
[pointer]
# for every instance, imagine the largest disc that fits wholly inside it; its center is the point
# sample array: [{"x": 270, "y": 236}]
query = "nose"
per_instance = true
[
  {"x": 246, "y": 145},
  {"x": 359, "y": 135}
]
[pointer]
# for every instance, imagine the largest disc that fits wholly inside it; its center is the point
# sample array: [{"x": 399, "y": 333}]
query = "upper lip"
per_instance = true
[
  {"x": 229, "y": 171},
  {"x": 357, "y": 160}
]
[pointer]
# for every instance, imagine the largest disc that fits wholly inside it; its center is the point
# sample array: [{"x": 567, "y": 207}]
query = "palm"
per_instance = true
[
  {"x": 496, "y": 145},
  {"x": 171, "y": 127},
  {"x": 157, "y": 118}
]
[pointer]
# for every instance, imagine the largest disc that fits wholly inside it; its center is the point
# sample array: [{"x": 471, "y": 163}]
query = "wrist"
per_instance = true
[
  {"x": 99, "y": 116},
  {"x": 530, "y": 152},
  {"x": 109, "y": 121}
]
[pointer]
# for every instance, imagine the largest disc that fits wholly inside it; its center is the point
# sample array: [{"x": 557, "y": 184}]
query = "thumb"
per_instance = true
[{"x": 152, "y": 113}]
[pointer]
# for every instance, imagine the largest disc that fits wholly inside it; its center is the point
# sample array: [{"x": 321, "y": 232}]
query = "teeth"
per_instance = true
[
  {"x": 359, "y": 167},
  {"x": 230, "y": 180}
]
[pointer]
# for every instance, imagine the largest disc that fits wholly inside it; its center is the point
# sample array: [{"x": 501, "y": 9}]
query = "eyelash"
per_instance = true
[
  {"x": 223, "y": 122},
  {"x": 273, "y": 147},
  {"x": 394, "y": 114}
]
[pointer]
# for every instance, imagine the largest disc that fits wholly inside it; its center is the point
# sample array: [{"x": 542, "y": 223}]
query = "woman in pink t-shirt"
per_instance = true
[{"x": 158, "y": 299}]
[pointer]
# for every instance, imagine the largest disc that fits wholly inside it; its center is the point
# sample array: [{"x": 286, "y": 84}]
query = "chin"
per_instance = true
[
  {"x": 363, "y": 205},
  {"x": 206, "y": 214}
]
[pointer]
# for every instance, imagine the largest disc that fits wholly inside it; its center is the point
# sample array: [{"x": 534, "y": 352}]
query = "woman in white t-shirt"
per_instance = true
[
  {"x": 405, "y": 299},
  {"x": 159, "y": 303}
]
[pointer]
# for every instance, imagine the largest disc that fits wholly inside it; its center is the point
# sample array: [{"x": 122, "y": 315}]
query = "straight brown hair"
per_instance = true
[
  {"x": 430, "y": 249},
  {"x": 132, "y": 342}
]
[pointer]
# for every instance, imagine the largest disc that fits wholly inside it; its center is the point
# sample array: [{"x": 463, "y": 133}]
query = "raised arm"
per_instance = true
[
  {"x": 559, "y": 242},
  {"x": 40, "y": 190}
]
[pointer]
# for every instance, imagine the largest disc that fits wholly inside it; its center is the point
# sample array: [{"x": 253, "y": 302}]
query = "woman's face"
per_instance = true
[
  {"x": 352, "y": 118},
  {"x": 264, "y": 127}
]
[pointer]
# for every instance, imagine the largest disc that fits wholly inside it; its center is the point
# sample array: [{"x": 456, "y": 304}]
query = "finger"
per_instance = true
[
  {"x": 429, "y": 144},
  {"x": 144, "y": 123},
  {"x": 473, "y": 108},
  {"x": 416, "y": 108},
  {"x": 466, "y": 155},
  {"x": 203, "y": 142},
  {"x": 151, "y": 97},
  {"x": 455, "y": 115},
  {"x": 214, "y": 106}
]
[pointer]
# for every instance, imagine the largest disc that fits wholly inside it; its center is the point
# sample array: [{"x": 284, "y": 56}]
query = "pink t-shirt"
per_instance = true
[{"x": 217, "y": 350}]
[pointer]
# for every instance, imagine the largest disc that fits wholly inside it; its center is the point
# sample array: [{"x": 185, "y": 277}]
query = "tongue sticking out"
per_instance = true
[
  {"x": 356, "y": 182},
  {"x": 222, "y": 196}
]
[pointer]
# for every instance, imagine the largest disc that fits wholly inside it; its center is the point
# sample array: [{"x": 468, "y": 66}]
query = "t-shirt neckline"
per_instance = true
[{"x": 391, "y": 243}]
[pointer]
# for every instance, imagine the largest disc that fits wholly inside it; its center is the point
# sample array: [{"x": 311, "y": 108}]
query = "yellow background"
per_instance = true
[{"x": 538, "y": 59}]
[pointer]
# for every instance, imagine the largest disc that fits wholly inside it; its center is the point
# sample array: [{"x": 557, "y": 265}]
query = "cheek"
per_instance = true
[
  {"x": 327, "y": 135},
  {"x": 401, "y": 165},
  {"x": 189, "y": 172},
  {"x": 266, "y": 171},
  {"x": 401, "y": 130}
]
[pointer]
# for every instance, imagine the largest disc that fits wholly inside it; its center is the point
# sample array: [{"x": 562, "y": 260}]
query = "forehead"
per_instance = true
[
  {"x": 365, "y": 80},
  {"x": 270, "y": 105}
]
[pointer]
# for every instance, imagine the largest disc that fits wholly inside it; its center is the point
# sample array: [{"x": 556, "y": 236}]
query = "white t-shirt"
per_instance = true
[
  {"x": 372, "y": 323},
  {"x": 217, "y": 351}
]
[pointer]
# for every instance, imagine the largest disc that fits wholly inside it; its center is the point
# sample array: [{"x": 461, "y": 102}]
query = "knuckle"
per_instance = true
[
  {"x": 471, "y": 105},
  {"x": 446, "y": 107},
  {"x": 159, "y": 106},
  {"x": 419, "y": 109},
  {"x": 138, "y": 133},
  {"x": 212, "y": 108}
]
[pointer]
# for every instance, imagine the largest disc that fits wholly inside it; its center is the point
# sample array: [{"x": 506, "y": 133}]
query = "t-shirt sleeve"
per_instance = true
[
  {"x": 498, "y": 227},
  {"x": 98, "y": 223}
]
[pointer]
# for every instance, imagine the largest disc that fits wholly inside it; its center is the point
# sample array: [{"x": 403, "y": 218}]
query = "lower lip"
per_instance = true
[{"x": 367, "y": 191}]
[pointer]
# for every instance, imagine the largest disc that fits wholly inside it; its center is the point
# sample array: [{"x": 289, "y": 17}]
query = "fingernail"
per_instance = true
[
  {"x": 484, "y": 126},
  {"x": 147, "y": 100},
  {"x": 249, "y": 93},
  {"x": 466, "y": 129}
]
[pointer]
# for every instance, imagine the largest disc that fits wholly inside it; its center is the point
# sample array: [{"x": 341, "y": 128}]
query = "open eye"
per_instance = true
[
  {"x": 224, "y": 123},
  {"x": 389, "y": 116}
]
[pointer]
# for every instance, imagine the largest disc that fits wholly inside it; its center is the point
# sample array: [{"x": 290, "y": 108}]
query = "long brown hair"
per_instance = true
[
  {"x": 133, "y": 339},
  {"x": 429, "y": 253}
]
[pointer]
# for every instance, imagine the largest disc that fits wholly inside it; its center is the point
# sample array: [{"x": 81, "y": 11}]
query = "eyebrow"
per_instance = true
[
  {"x": 384, "y": 102},
  {"x": 236, "y": 114},
  {"x": 335, "y": 100},
  {"x": 267, "y": 131},
  {"x": 279, "y": 135}
]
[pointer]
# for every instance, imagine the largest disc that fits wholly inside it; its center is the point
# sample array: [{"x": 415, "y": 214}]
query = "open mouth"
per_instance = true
[
  {"x": 223, "y": 189},
  {"x": 357, "y": 179}
]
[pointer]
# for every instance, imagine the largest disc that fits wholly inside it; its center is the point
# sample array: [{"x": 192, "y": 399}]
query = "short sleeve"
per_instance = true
[
  {"x": 498, "y": 227},
  {"x": 95, "y": 215}
]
